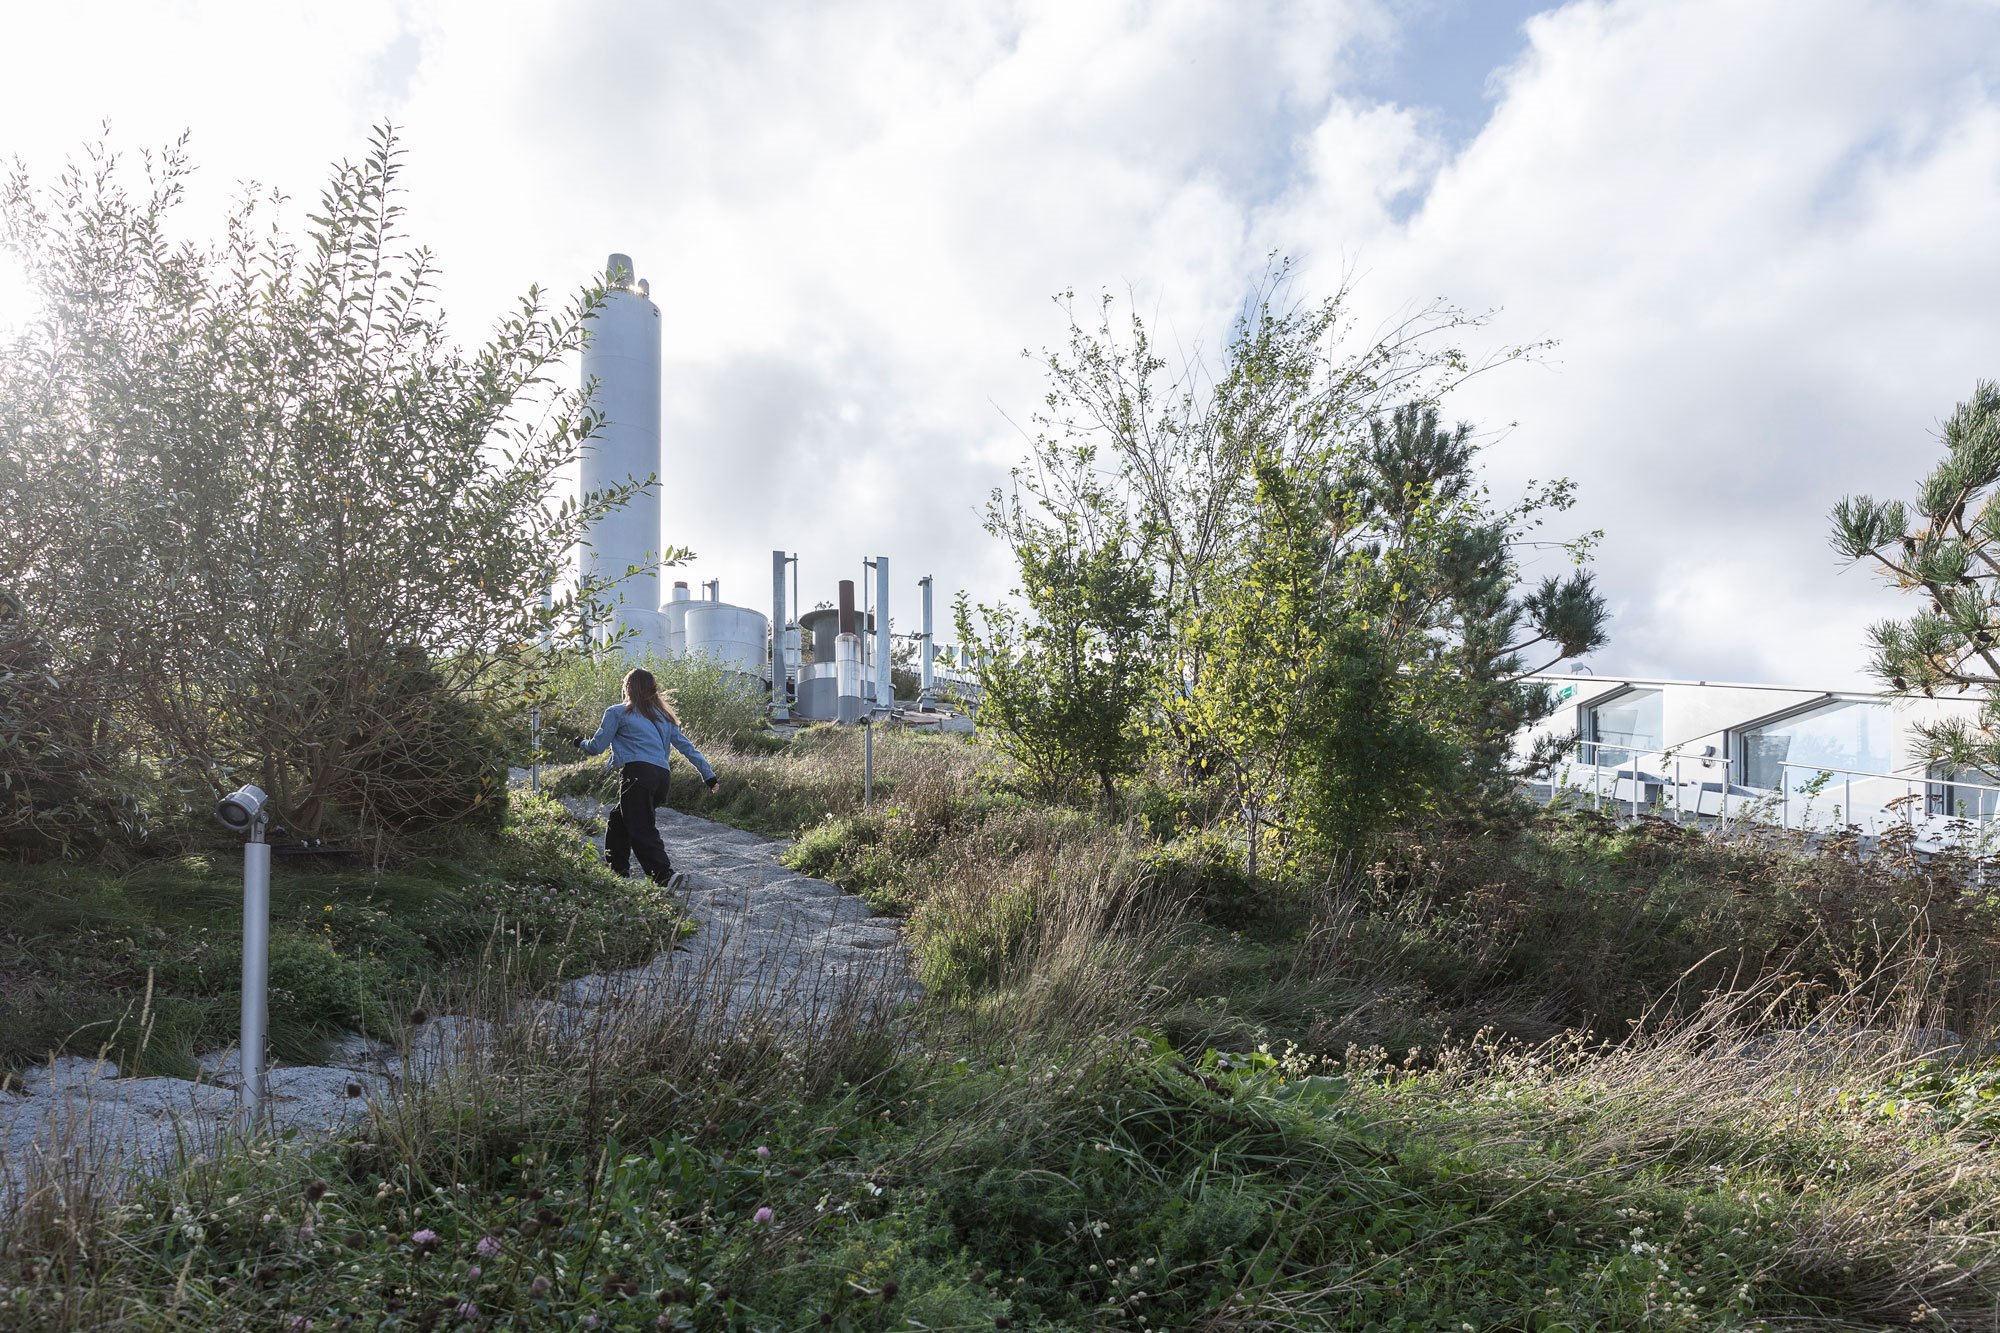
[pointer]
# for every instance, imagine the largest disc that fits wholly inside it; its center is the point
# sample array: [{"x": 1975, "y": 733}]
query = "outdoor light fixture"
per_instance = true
[
  {"x": 241, "y": 808},
  {"x": 243, "y": 811}
]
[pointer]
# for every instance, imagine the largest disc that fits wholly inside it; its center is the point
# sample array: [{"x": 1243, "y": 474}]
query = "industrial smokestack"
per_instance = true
[
  {"x": 621, "y": 372},
  {"x": 847, "y": 606}
]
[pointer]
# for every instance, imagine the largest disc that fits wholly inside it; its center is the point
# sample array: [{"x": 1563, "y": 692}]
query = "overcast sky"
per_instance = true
[{"x": 1762, "y": 230}]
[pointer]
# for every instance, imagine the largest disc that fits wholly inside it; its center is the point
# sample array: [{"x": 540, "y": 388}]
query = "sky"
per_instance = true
[{"x": 1760, "y": 233}]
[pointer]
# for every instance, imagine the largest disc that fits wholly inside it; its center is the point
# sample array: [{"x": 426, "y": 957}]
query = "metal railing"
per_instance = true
[{"x": 1698, "y": 788}]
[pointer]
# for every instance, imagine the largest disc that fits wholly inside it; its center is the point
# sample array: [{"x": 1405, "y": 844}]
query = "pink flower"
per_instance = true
[
  {"x": 761, "y": 1215},
  {"x": 472, "y": 1273},
  {"x": 467, "y": 1311},
  {"x": 489, "y": 1247},
  {"x": 763, "y": 1152}
]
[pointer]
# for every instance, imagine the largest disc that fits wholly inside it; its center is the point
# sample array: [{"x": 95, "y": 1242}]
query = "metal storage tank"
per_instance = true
[
  {"x": 673, "y": 615},
  {"x": 622, "y": 355},
  {"x": 731, "y": 635}
]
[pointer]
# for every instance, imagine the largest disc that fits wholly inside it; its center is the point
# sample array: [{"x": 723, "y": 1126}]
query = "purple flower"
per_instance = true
[
  {"x": 467, "y": 1311},
  {"x": 489, "y": 1247},
  {"x": 761, "y": 1215},
  {"x": 763, "y": 1152},
  {"x": 425, "y": 1240},
  {"x": 590, "y": 1321},
  {"x": 472, "y": 1273},
  {"x": 298, "y": 1323},
  {"x": 539, "y": 1287}
]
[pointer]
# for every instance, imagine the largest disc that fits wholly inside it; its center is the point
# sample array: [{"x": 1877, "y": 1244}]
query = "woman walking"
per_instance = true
[{"x": 639, "y": 733}]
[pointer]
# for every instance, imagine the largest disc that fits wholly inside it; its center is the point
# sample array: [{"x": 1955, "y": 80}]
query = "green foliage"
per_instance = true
[
  {"x": 1136, "y": 1187},
  {"x": 1328, "y": 628},
  {"x": 1206, "y": 870},
  {"x": 716, "y": 705},
  {"x": 147, "y": 964},
  {"x": 61, "y": 784},
  {"x": 1063, "y": 687},
  {"x": 1943, "y": 548},
  {"x": 271, "y": 523}
]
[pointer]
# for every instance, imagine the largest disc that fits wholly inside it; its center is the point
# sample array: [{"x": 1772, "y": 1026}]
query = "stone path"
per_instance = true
[{"x": 770, "y": 946}]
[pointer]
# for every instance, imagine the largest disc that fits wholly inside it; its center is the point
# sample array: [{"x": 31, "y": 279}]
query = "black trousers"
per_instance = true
[{"x": 642, "y": 789}]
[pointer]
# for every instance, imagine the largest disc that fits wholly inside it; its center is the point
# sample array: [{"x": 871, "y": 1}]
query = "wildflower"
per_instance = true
[
  {"x": 539, "y": 1287},
  {"x": 424, "y": 1239},
  {"x": 467, "y": 1311},
  {"x": 761, "y": 1215},
  {"x": 298, "y": 1323},
  {"x": 472, "y": 1273},
  {"x": 489, "y": 1247},
  {"x": 763, "y": 1153},
  {"x": 315, "y": 1191},
  {"x": 590, "y": 1321}
]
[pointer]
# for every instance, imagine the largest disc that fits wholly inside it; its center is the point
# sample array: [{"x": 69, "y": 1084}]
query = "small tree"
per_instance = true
[
  {"x": 1064, "y": 687},
  {"x": 1946, "y": 548},
  {"x": 258, "y": 499}
]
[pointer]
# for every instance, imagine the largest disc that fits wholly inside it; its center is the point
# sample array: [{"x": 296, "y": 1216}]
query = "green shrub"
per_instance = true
[
  {"x": 717, "y": 706},
  {"x": 1206, "y": 870},
  {"x": 61, "y": 783}
]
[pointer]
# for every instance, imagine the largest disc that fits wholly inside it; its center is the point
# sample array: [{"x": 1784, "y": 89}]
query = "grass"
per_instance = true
[
  {"x": 1555, "y": 1078},
  {"x": 144, "y": 963}
]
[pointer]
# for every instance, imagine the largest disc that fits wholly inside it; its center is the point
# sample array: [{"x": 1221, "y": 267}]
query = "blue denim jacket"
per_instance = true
[{"x": 632, "y": 737}]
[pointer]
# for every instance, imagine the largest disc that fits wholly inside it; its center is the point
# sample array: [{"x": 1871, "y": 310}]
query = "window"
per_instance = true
[
  {"x": 1837, "y": 738},
  {"x": 1962, "y": 795},
  {"x": 1620, "y": 726}
]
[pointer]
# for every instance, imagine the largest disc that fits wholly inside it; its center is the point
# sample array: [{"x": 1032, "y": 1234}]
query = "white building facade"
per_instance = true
[{"x": 1801, "y": 757}]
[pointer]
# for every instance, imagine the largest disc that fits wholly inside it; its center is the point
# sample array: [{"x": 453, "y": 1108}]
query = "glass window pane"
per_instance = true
[
  {"x": 1620, "y": 726},
  {"x": 1840, "y": 738},
  {"x": 1951, "y": 797}
]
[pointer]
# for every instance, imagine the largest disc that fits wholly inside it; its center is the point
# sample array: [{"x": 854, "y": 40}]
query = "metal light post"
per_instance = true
[{"x": 243, "y": 810}]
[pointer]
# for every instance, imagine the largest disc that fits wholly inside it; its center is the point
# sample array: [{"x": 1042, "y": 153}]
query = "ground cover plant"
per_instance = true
[{"x": 143, "y": 962}]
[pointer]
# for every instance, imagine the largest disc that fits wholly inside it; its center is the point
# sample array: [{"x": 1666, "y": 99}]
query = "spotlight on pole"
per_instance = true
[{"x": 244, "y": 811}]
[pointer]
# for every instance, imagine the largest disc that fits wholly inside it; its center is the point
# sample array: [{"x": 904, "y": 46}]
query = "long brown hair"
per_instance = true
[{"x": 642, "y": 693}]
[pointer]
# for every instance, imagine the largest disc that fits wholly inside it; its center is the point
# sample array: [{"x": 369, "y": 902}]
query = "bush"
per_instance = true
[
  {"x": 1206, "y": 871},
  {"x": 61, "y": 784},
  {"x": 716, "y": 705}
]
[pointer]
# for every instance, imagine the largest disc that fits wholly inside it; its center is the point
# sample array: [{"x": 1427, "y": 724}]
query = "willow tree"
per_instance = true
[
  {"x": 1944, "y": 549},
  {"x": 259, "y": 502}
]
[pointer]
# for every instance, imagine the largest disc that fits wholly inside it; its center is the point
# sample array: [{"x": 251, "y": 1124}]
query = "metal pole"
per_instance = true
[
  {"x": 256, "y": 966},
  {"x": 1847, "y": 810},
  {"x": 1677, "y": 795},
  {"x": 885, "y": 685},
  {"x": 1784, "y": 795},
  {"x": 926, "y": 685},
  {"x": 780, "y": 709},
  {"x": 867, "y": 762},
  {"x": 535, "y": 718},
  {"x": 861, "y": 628}
]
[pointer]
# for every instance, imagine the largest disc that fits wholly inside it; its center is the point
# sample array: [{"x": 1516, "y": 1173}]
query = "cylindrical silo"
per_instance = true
[
  {"x": 673, "y": 612},
  {"x": 621, "y": 372},
  {"x": 732, "y": 636}
]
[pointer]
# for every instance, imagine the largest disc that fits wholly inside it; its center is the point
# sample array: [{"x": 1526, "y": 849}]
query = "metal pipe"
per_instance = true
[
  {"x": 780, "y": 709},
  {"x": 251, "y": 1089},
  {"x": 867, "y": 762},
  {"x": 925, "y": 700},
  {"x": 885, "y": 686}
]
